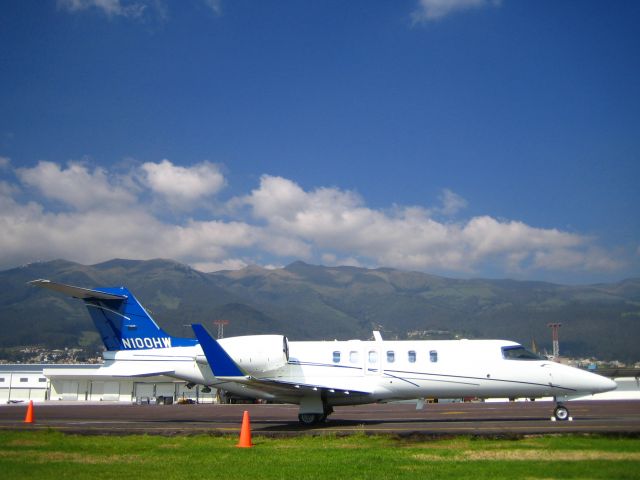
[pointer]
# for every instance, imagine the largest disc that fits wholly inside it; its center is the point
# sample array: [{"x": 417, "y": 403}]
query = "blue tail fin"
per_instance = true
[{"x": 123, "y": 323}]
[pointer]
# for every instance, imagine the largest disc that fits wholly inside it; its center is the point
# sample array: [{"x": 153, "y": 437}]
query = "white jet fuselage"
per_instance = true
[{"x": 353, "y": 372}]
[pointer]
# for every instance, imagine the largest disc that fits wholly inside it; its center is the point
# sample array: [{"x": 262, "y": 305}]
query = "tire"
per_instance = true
[
  {"x": 561, "y": 413},
  {"x": 309, "y": 419}
]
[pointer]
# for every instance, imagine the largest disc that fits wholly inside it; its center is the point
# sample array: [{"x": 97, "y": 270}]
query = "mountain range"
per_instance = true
[{"x": 308, "y": 302}]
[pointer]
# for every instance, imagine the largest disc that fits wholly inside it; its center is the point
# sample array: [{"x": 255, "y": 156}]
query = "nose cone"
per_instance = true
[
  {"x": 581, "y": 381},
  {"x": 604, "y": 384},
  {"x": 593, "y": 383}
]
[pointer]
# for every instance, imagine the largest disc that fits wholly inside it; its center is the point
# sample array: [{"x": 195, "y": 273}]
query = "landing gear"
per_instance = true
[
  {"x": 309, "y": 419},
  {"x": 561, "y": 413}
]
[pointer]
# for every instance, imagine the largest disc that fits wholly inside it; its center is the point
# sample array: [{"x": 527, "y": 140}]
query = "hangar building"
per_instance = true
[{"x": 42, "y": 382}]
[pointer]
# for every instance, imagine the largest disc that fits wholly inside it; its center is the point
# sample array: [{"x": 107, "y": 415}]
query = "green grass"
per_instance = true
[{"x": 43, "y": 455}]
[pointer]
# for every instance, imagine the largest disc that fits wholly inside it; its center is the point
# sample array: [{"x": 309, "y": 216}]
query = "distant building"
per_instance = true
[{"x": 45, "y": 382}]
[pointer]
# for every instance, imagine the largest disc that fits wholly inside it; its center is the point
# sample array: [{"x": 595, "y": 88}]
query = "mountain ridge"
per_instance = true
[{"x": 308, "y": 302}]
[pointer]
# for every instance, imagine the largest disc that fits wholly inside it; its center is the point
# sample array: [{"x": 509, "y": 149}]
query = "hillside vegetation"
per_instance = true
[{"x": 308, "y": 302}]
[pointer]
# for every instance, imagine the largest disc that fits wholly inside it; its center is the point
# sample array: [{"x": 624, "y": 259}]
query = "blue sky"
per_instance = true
[{"x": 465, "y": 137}]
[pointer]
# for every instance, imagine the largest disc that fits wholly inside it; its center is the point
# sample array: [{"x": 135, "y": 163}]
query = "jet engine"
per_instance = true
[{"x": 258, "y": 353}]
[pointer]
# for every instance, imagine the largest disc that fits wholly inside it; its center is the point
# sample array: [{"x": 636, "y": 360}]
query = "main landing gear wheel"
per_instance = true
[
  {"x": 561, "y": 413},
  {"x": 309, "y": 419},
  {"x": 315, "y": 418}
]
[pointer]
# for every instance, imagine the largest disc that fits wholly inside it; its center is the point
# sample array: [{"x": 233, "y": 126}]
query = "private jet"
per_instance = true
[{"x": 320, "y": 375}]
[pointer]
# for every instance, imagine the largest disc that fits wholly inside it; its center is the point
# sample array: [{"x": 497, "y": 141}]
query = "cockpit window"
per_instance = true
[{"x": 518, "y": 352}]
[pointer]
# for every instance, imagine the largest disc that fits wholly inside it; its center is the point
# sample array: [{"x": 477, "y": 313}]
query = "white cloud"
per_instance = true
[
  {"x": 227, "y": 264},
  {"x": 593, "y": 259},
  {"x": 7, "y": 191},
  {"x": 432, "y": 10},
  {"x": 329, "y": 220},
  {"x": 104, "y": 220},
  {"x": 106, "y": 217},
  {"x": 331, "y": 260},
  {"x": 488, "y": 236},
  {"x": 5, "y": 162},
  {"x": 111, "y": 8},
  {"x": 452, "y": 203},
  {"x": 29, "y": 232},
  {"x": 182, "y": 186},
  {"x": 76, "y": 185}
]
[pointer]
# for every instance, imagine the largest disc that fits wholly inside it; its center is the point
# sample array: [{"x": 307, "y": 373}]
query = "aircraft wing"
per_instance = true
[{"x": 224, "y": 368}]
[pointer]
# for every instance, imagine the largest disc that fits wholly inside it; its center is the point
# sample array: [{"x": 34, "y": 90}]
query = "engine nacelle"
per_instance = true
[{"x": 258, "y": 353}]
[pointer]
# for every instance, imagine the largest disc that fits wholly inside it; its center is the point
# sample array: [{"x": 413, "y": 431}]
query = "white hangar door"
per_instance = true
[
  {"x": 144, "y": 391},
  {"x": 70, "y": 390},
  {"x": 111, "y": 391},
  {"x": 165, "y": 390}
]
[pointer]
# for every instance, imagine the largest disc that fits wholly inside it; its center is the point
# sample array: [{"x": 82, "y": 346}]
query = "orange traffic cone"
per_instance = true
[
  {"x": 29, "y": 418},
  {"x": 245, "y": 432}
]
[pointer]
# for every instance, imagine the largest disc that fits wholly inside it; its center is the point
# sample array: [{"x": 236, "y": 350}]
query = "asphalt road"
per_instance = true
[{"x": 487, "y": 419}]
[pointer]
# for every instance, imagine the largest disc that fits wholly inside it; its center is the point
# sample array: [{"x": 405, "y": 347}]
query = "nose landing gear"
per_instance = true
[{"x": 561, "y": 413}]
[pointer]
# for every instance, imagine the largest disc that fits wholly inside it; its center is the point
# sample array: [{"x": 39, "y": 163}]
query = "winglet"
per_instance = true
[{"x": 222, "y": 365}]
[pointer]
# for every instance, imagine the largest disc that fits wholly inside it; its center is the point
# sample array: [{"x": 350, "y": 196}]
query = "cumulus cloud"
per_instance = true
[
  {"x": 182, "y": 186},
  {"x": 4, "y": 162},
  {"x": 432, "y": 10},
  {"x": 333, "y": 222},
  {"x": 29, "y": 232},
  {"x": 76, "y": 186},
  {"x": 105, "y": 217}
]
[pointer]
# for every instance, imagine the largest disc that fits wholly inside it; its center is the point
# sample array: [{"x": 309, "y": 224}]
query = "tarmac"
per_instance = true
[{"x": 509, "y": 419}]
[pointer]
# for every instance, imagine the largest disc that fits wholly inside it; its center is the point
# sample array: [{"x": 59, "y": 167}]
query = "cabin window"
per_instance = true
[
  {"x": 412, "y": 356},
  {"x": 42, "y": 380},
  {"x": 373, "y": 356},
  {"x": 354, "y": 356},
  {"x": 336, "y": 357},
  {"x": 24, "y": 380},
  {"x": 1, "y": 379},
  {"x": 433, "y": 356},
  {"x": 518, "y": 352},
  {"x": 391, "y": 356}
]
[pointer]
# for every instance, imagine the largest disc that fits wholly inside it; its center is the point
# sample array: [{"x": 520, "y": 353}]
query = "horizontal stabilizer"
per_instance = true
[{"x": 76, "y": 292}]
